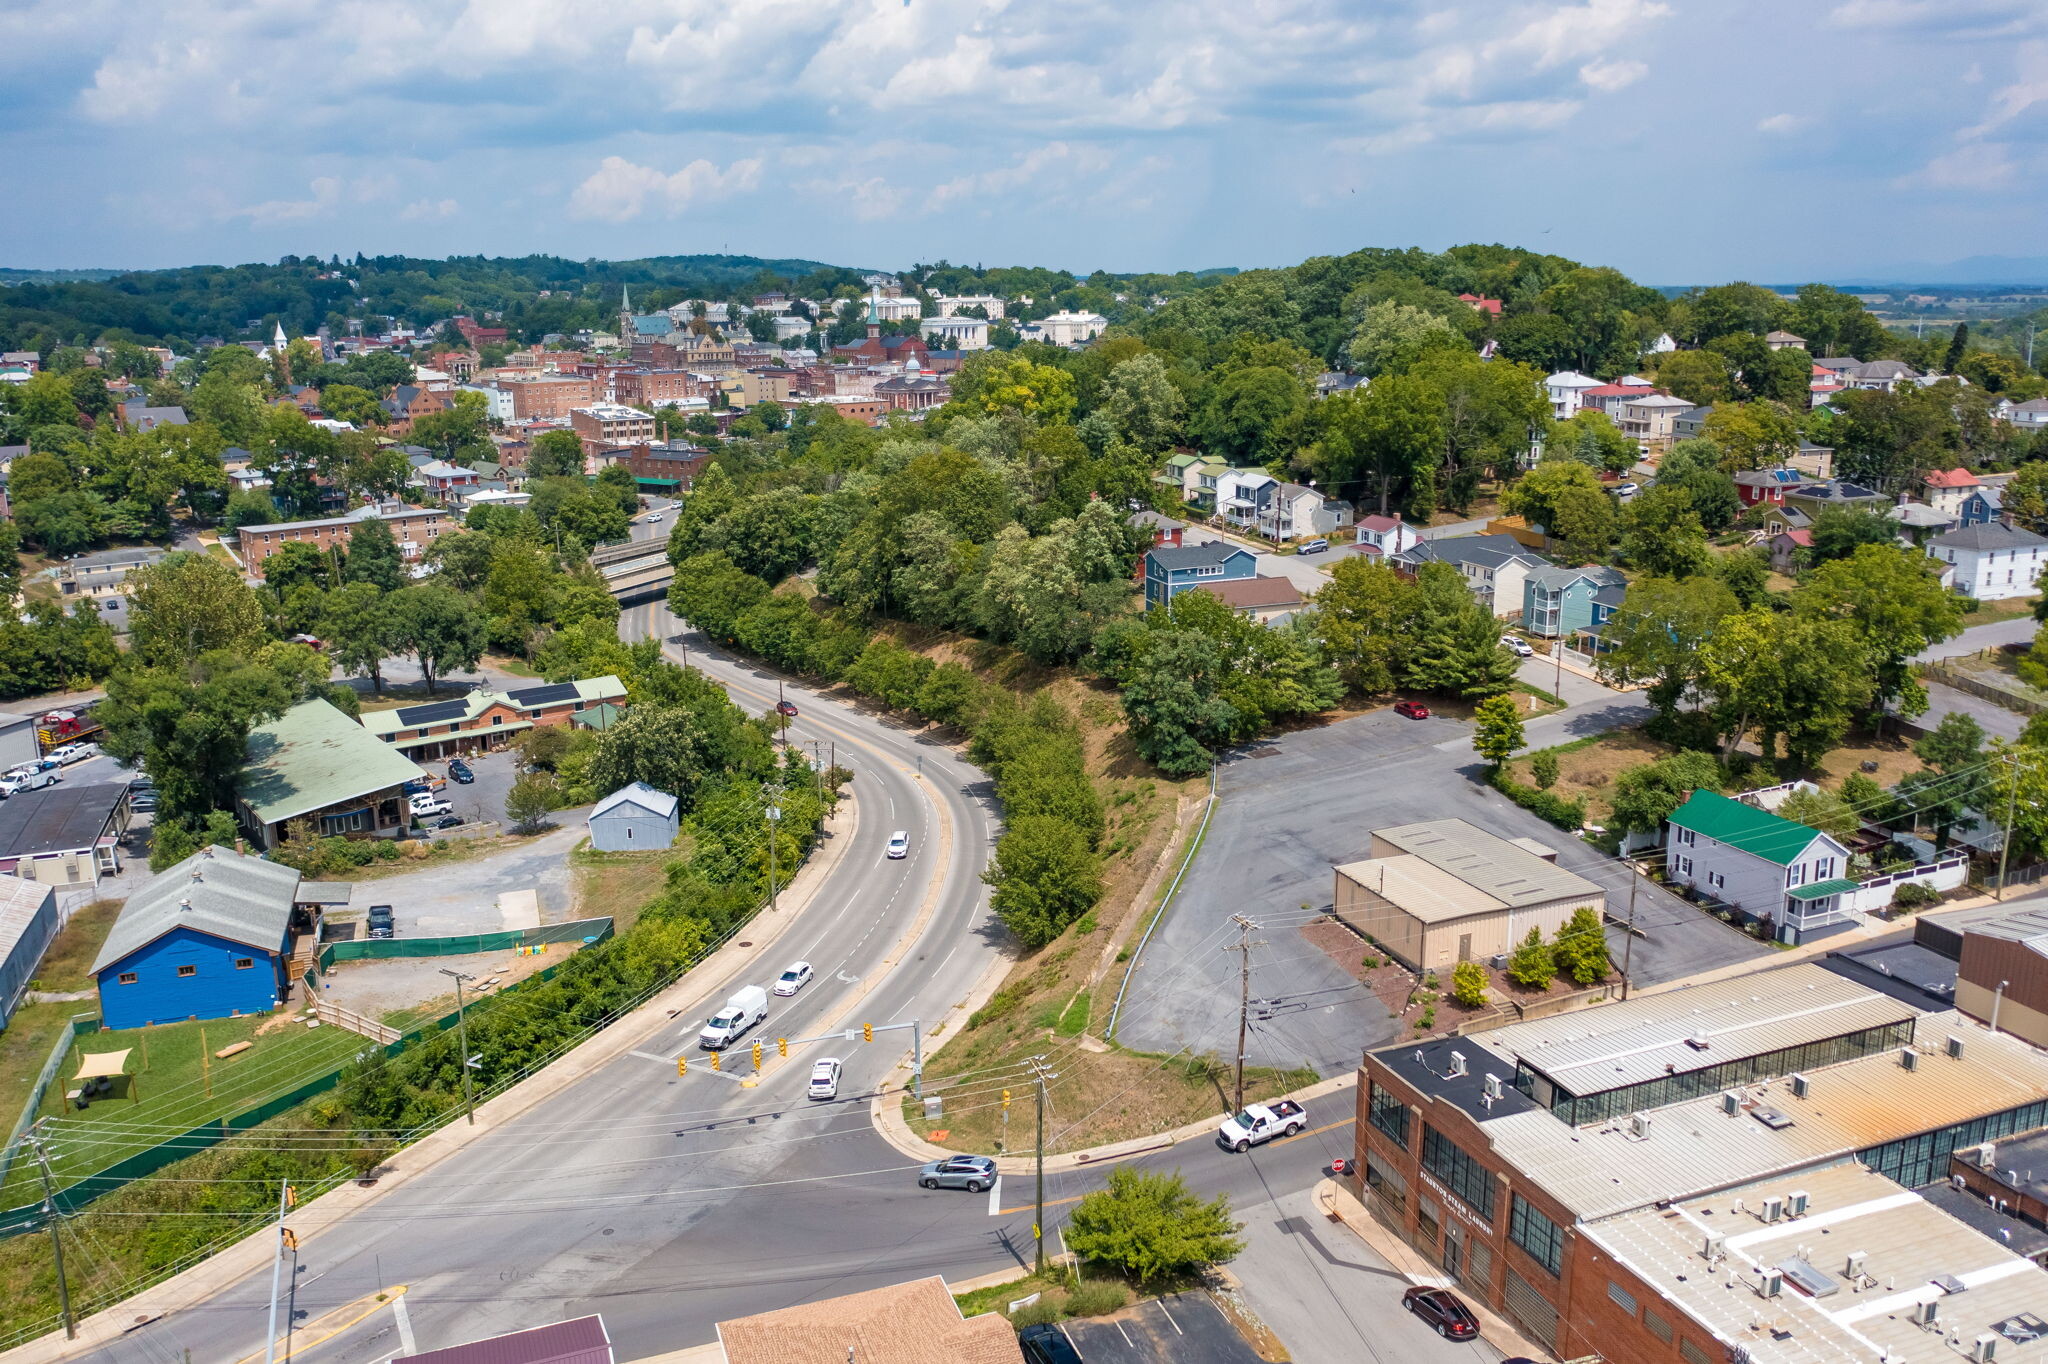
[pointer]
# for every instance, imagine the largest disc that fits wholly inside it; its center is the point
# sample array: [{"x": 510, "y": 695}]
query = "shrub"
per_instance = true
[
  {"x": 1097, "y": 1298},
  {"x": 1150, "y": 1225},
  {"x": 1581, "y": 948},
  {"x": 1468, "y": 984},
  {"x": 1912, "y": 895},
  {"x": 1565, "y": 814},
  {"x": 1533, "y": 964},
  {"x": 1543, "y": 770}
]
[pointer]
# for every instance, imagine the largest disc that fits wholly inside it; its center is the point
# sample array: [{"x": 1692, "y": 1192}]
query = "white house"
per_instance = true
[
  {"x": 1244, "y": 497},
  {"x": 1567, "y": 389},
  {"x": 1389, "y": 535},
  {"x": 1991, "y": 561},
  {"x": 1769, "y": 868},
  {"x": 1300, "y": 511},
  {"x": 952, "y": 305}
]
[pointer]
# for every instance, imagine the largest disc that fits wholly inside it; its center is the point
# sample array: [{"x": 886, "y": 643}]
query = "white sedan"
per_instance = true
[
  {"x": 794, "y": 979},
  {"x": 825, "y": 1078}
]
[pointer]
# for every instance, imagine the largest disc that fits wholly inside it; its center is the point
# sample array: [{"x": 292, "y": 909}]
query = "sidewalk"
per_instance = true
[
  {"x": 707, "y": 981},
  {"x": 1337, "y": 1200}
]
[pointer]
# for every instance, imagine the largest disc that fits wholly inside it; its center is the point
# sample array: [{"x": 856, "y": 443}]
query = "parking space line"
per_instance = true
[
  {"x": 1169, "y": 1318},
  {"x": 1126, "y": 1335}
]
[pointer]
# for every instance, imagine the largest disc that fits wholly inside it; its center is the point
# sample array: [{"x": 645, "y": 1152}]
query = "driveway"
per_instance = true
[
  {"x": 1293, "y": 807},
  {"x": 1306, "y": 574},
  {"x": 453, "y": 898},
  {"x": 2018, "y": 630},
  {"x": 1998, "y": 722}
]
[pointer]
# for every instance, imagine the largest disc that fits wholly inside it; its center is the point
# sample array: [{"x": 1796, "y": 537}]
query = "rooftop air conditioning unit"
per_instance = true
[
  {"x": 1924, "y": 1313},
  {"x": 1710, "y": 1248},
  {"x": 1984, "y": 1154},
  {"x": 1771, "y": 1209},
  {"x": 1770, "y": 1283},
  {"x": 1698, "y": 1041},
  {"x": 1457, "y": 1065},
  {"x": 1955, "y": 1047},
  {"x": 1985, "y": 1348},
  {"x": 1731, "y": 1102},
  {"x": 1795, "y": 1203},
  {"x": 1852, "y": 1268},
  {"x": 1492, "y": 1086},
  {"x": 1639, "y": 1126},
  {"x": 1800, "y": 1084},
  {"x": 1908, "y": 1057}
]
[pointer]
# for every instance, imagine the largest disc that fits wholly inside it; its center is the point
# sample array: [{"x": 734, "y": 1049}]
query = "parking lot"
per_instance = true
[{"x": 1184, "y": 1328}]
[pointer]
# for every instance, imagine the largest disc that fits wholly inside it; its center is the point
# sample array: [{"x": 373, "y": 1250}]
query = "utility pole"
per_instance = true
[
  {"x": 1243, "y": 947},
  {"x": 284, "y": 1200},
  {"x": 772, "y": 793},
  {"x": 1039, "y": 1075},
  {"x": 2012, "y": 794},
  {"x": 35, "y": 1137},
  {"x": 462, "y": 1034},
  {"x": 1628, "y": 937}
]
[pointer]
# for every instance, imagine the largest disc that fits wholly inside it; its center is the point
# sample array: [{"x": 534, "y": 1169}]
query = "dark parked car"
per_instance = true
[
  {"x": 458, "y": 771},
  {"x": 1442, "y": 1313},
  {"x": 972, "y": 1173},
  {"x": 786, "y": 708},
  {"x": 1047, "y": 1344},
  {"x": 383, "y": 923},
  {"x": 448, "y": 822},
  {"x": 1414, "y": 710}
]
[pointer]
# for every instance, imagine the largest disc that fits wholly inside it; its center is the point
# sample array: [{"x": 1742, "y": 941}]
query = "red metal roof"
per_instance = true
[
  {"x": 1952, "y": 478},
  {"x": 581, "y": 1341}
]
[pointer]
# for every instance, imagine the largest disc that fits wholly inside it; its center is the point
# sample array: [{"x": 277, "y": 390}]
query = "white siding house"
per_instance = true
[
  {"x": 1992, "y": 561},
  {"x": 1772, "y": 870}
]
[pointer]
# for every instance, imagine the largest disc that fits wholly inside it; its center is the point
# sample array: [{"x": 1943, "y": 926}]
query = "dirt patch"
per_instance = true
[
  {"x": 403, "y": 992},
  {"x": 1894, "y": 757},
  {"x": 276, "y": 1024},
  {"x": 1587, "y": 772},
  {"x": 619, "y": 884}
]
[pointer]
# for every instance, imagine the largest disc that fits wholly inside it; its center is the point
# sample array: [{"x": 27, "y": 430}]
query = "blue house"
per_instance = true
[
  {"x": 634, "y": 818},
  {"x": 1557, "y": 603},
  {"x": 1173, "y": 569},
  {"x": 1981, "y": 506},
  {"x": 1606, "y": 602},
  {"x": 209, "y": 938}
]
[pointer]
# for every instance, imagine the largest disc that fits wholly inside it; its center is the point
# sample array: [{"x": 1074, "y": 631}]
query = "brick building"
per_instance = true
[
  {"x": 603, "y": 424},
  {"x": 407, "y": 404},
  {"x": 660, "y": 469},
  {"x": 547, "y": 394},
  {"x": 648, "y": 387},
  {"x": 913, "y": 392},
  {"x": 1650, "y": 1180},
  {"x": 484, "y": 721},
  {"x": 413, "y": 527}
]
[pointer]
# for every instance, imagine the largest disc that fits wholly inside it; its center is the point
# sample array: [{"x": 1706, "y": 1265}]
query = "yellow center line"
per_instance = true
[
  {"x": 1282, "y": 1141},
  {"x": 302, "y": 1341}
]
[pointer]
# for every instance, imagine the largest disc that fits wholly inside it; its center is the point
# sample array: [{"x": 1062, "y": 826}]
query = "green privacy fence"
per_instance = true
[
  {"x": 584, "y": 931},
  {"x": 76, "y": 1195}
]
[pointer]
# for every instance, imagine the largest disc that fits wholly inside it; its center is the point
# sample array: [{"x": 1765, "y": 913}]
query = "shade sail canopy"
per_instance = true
[{"x": 94, "y": 1065}]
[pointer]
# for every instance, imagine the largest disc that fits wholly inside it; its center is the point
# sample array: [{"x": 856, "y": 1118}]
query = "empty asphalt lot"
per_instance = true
[{"x": 1292, "y": 807}]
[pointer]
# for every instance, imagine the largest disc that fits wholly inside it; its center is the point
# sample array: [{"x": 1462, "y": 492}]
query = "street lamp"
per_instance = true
[{"x": 771, "y": 793}]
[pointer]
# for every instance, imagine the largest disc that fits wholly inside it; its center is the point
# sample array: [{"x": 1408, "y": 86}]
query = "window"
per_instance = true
[
  {"x": 244, "y": 963},
  {"x": 1622, "y": 1297},
  {"x": 1537, "y": 1234},
  {"x": 1795, "y": 875},
  {"x": 1823, "y": 868},
  {"x": 1460, "y": 1173},
  {"x": 127, "y": 977},
  {"x": 629, "y": 833},
  {"x": 1716, "y": 880},
  {"x": 1687, "y": 838},
  {"x": 188, "y": 971},
  {"x": 1390, "y": 1115},
  {"x": 1683, "y": 864}
]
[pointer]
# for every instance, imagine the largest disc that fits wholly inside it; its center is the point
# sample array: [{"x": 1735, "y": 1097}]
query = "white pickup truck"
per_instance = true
[
  {"x": 1261, "y": 1123},
  {"x": 748, "y": 1006}
]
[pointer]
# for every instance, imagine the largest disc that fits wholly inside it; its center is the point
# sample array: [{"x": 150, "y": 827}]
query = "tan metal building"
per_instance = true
[{"x": 1440, "y": 892}]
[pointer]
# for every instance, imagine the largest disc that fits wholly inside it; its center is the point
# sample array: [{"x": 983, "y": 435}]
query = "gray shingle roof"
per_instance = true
[
  {"x": 1490, "y": 551},
  {"x": 216, "y": 890},
  {"x": 1172, "y": 557},
  {"x": 1988, "y": 535}
]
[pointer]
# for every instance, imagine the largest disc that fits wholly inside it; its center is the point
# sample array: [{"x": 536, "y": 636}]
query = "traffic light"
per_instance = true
[
  {"x": 867, "y": 1032},
  {"x": 682, "y": 1065},
  {"x": 1006, "y": 1100},
  {"x": 782, "y": 1047},
  {"x": 757, "y": 1056},
  {"x": 291, "y": 1197},
  {"x": 714, "y": 1060},
  {"x": 291, "y": 1238}
]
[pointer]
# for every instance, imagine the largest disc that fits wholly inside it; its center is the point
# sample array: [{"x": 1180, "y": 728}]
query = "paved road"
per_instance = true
[
  {"x": 2018, "y": 630},
  {"x": 1292, "y": 807},
  {"x": 665, "y": 1202},
  {"x": 1305, "y": 573}
]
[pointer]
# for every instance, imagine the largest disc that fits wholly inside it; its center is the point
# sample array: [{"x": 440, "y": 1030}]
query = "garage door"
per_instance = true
[{"x": 1531, "y": 1310}]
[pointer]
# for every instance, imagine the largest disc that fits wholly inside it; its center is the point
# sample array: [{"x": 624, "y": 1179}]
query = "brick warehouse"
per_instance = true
[{"x": 1720, "y": 1173}]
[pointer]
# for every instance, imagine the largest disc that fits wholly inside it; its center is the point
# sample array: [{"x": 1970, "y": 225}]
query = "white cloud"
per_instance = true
[
  {"x": 1781, "y": 124},
  {"x": 1606, "y": 76},
  {"x": 1048, "y": 172},
  {"x": 1972, "y": 166},
  {"x": 619, "y": 190},
  {"x": 328, "y": 193},
  {"x": 428, "y": 210},
  {"x": 1953, "y": 19}
]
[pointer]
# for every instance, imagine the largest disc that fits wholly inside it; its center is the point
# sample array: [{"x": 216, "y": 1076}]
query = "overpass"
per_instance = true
[{"x": 635, "y": 572}]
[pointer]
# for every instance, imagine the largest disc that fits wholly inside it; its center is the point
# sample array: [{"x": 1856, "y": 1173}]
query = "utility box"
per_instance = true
[{"x": 934, "y": 1108}]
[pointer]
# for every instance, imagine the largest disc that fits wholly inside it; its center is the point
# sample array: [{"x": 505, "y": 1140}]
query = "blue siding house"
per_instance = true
[
  {"x": 1173, "y": 569},
  {"x": 208, "y": 938},
  {"x": 1557, "y": 603},
  {"x": 1981, "y": 506},
  {"x": 634, "y": 818}
]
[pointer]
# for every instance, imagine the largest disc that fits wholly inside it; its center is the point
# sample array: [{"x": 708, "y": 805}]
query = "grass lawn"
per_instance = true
[
  {"x": 619, "y": 883},
  {"x": 518, "y": 667},
  {"x": 68, "y": 963},
  {"x": 1990, "y": 611},
  {"x": 173, "y": 1085}
]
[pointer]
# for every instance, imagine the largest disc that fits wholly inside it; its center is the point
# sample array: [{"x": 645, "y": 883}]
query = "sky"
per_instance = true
[{"x": 1683, "y": 141}]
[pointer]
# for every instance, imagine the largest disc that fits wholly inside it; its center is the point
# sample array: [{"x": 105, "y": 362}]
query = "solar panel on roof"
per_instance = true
[
  {"x": 433, "y": 712},
  {"x": 545, "y": 696}
]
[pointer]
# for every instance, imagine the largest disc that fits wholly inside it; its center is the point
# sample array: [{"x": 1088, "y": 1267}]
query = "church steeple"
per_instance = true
[
  {"x": 625, "y": 314},
  {"x": 874, "y": 314}
]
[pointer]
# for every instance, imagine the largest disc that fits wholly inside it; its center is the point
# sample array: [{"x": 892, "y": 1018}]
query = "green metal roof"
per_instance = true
[
  {"x": 600, "y": 716},
  {"x": 1744, "y": 827},
  {"x": 312, "y": 757},
  {"x": 1821, "y": 889}
]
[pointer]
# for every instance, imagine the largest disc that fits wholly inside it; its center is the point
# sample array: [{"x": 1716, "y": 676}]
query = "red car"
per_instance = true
[
  {"x": 1414, "y": 710},
  {"x": 786, "y": 708},
  {"x": 1442, "y": 1312}
]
